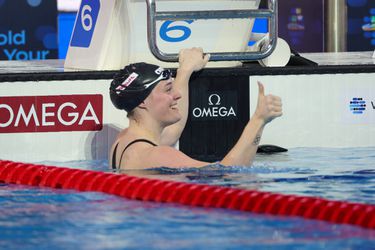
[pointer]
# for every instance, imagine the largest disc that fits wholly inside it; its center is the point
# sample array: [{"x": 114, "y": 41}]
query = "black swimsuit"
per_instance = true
[{"x": 131, "y": 143}]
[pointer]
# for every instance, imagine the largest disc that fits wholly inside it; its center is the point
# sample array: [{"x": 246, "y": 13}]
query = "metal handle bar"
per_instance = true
[{"x": 271, "y": 14}]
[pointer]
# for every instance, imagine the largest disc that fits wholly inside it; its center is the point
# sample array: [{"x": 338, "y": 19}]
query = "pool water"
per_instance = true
[{"x": 43, "y": 218}]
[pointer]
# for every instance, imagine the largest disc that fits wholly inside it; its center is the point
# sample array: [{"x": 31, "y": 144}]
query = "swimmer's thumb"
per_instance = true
[
  {"x": 206, "y": 57},
  {"x": 261, "y": 89}
]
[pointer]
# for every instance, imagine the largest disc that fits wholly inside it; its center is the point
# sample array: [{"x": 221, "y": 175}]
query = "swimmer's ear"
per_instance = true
[{"x": 142, "y": 105}]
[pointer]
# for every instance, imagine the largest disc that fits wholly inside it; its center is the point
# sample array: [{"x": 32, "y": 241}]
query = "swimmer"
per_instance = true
[{"x": 157, "y": 109}]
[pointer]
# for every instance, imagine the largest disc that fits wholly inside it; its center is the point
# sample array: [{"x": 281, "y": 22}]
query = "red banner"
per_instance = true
[{"x": 20, "y": 114}]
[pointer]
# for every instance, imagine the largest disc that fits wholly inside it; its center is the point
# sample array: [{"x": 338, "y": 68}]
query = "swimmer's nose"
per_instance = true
[{"x": 177, "y": 95}]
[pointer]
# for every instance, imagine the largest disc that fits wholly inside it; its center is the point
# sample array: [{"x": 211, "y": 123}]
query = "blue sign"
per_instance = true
[
  {"x": 85, "y": 23},
  {"x": 357, "y": 105}
]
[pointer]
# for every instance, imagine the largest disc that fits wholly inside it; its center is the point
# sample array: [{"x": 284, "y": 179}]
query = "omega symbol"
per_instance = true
[{"x": 212, "y": 98}]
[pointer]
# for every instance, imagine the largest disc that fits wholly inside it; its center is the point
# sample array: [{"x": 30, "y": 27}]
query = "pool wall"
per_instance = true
[{"x": 63, "y": 116}]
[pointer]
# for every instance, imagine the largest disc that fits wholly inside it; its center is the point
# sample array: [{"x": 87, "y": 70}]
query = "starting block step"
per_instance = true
[{"x": 108, "y": 34}]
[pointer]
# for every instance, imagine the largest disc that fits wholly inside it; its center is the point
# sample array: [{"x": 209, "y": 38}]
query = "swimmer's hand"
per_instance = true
[
  {"x": 269, "y": 106},
  {"x": 192, "y": 59}
]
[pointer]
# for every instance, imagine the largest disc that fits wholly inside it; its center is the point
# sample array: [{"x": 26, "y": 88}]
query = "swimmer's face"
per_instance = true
[{"x": 162, "y": 102}]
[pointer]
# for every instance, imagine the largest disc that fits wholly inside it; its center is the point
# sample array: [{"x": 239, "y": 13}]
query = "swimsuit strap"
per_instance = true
[
  {"x": 122, "y": 154},
  {"x": 114, "y": 157}
]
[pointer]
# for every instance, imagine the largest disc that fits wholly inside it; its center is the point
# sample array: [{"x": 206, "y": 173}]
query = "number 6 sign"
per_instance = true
[{"x": 85, "y": 23}]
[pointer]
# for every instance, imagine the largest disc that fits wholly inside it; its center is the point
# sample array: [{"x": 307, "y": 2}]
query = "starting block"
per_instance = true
[{"x": 109, "y": 34}]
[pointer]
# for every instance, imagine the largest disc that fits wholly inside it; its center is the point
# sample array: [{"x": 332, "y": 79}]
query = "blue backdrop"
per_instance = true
[{"x": 28, "y": 29}]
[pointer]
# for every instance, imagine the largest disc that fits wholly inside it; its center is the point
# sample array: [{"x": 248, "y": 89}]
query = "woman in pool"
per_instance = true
[{"x": 157, "y": 107}]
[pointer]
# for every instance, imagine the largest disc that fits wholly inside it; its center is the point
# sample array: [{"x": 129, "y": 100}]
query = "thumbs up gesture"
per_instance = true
[{"x": 269, "y": 106}]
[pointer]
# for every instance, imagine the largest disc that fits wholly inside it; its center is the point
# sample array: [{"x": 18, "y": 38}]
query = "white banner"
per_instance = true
[{"x": 336, "y": 110}]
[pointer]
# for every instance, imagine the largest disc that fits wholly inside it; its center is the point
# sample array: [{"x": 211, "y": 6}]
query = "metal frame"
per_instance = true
[{"x": 271, "y": 14}]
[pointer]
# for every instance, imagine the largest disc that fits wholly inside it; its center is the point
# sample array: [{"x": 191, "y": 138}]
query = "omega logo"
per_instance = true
[
  {"x": 214, "y": 96},
  {"x": 215, "y": 109},
  {"x": 51, "y": 113}
]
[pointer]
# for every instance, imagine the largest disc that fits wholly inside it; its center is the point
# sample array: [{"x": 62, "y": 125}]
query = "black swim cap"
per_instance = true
[{"x": 134, "y": 83}]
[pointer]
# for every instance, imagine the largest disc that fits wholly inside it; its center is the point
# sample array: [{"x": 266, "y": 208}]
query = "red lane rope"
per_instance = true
[{"x": 188, "y": 194}]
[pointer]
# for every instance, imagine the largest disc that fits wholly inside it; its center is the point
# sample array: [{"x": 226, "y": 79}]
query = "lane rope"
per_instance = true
[{"x": 145, "y": 189}]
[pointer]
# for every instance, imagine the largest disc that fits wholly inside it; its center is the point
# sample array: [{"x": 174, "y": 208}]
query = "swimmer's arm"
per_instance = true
[
  {"x": 242, "y": 154},
  {"x": 172, "y": 133},
  {"x": 244, "y": 151},
  {"x": 190, "y": 60}
]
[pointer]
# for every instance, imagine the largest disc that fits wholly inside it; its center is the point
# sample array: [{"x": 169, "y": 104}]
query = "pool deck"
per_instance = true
[
  {"x": 344, "y": 62},
  {"x": 343, "y": 58}
]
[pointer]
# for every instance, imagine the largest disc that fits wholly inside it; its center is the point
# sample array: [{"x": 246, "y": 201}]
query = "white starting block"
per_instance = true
[{"x": 109, "y": 34}]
